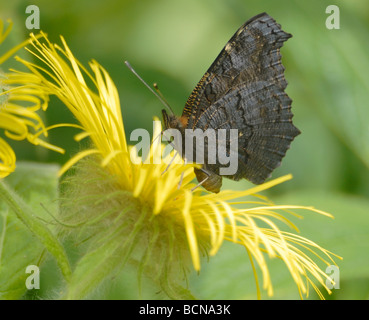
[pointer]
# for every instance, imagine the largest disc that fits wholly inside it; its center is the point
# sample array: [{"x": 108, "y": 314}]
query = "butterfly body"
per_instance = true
[{"x": 244, "y": 90}]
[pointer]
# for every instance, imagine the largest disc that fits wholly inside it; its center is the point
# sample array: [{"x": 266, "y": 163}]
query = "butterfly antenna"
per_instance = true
[
  {"x": 156, "y": 87},
  {"x": 160, "y": 97}
]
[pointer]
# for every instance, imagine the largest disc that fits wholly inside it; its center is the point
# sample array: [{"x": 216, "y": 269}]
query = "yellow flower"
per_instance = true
[
  {"x": 171, "y": 210},
  {"x": 18, "y": 106}
]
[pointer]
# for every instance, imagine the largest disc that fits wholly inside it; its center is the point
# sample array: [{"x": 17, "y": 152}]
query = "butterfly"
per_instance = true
[{"x": 243, "y": 89}]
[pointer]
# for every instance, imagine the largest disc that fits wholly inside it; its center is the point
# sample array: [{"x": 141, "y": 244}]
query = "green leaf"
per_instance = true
[
  {"x": 24, "y": 236},
  {"x": 329, "y": 79}
]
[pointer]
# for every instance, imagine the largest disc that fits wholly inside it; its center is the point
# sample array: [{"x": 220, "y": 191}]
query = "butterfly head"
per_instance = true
[{"x": 172, "y": 121}]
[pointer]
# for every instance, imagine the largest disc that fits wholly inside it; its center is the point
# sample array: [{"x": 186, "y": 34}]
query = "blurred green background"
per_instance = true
[{"x": 173, "y": 43}]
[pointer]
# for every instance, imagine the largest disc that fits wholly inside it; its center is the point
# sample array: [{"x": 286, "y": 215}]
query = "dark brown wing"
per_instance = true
[
  {"x": 244, "y": 90},
  {"x": 251, "y": 55},
  {"x": 261, "y": 112}
]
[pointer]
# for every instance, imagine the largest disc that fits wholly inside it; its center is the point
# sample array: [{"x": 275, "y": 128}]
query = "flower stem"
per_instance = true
[{"x": 29, "y": 218}]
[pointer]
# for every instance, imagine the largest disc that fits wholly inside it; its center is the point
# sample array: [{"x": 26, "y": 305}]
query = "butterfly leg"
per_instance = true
[
  {"x": 202, "y": 181},
  {"x": 199, "y": 184},
  {"x": 202, "y": 176},
  {"x": 159, "y": 135},
  {"x": 209, "y": 180},
  {"x": 182, "y": 174},
  {"x": 171, "y": 161},
  {"x": 180, "y": 180},
  {"x": 169, "y": 164}
]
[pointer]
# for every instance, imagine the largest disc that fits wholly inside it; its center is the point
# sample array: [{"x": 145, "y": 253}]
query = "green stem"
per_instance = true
[
  {"x": 5, "y": 218},
  {"x": 47, "y": 238}
]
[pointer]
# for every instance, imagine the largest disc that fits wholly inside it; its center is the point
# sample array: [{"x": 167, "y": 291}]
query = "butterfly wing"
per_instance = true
[
  {"x": 261, "y": 113},
  {"x": 251, "y": 54},
  {"x": 244, "y": 89}
]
